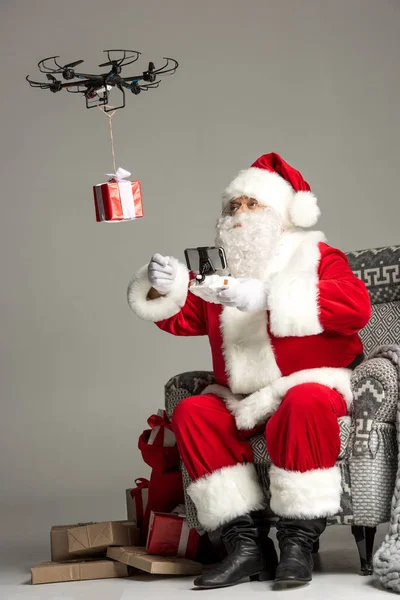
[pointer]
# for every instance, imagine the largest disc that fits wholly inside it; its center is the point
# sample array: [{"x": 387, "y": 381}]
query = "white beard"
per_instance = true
[{"x": 249, "y": 248}]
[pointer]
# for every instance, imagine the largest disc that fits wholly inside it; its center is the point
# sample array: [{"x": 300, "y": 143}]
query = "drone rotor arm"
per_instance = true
[
  {"x": 83, "y": 83},
  {"x": 132, "y": 79},
  {"x": 90, "y": 76}
]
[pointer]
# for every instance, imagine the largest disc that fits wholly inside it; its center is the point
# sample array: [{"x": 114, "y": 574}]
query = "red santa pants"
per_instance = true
[{"x": 303, "y": 443}]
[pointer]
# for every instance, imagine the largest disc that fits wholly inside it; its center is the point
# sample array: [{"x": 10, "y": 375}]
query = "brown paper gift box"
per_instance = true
[
  {"x": 99, "y": 536},
  {"x": 78, "y": 570},
  {"x": 60, "y": 538},
  {"x": 136, "y": 556}
]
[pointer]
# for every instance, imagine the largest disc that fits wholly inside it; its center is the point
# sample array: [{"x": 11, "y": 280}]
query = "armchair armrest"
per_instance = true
[
  {"x": 184, "y": 385},
  {"x": 375, "y": 396}
]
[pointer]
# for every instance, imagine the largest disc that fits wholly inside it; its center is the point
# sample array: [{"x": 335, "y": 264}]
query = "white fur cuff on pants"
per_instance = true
[
  {"x": 309, "y": 495},
  {"x": 226, "y": 494}
]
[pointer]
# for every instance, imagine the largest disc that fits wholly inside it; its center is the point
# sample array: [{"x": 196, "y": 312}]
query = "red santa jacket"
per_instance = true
[{"x": 310, "y": 332}]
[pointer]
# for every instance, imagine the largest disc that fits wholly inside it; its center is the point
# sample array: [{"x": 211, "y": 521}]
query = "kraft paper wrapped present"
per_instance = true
[
  {"x": 59, "y": 542},
  {"x": 118, "y": 199},
  {"x": 169, "y": 535},
  {"x": 89, "y": 539},
  {"x": 77, "y": 570},
  {"x": 137, "y": 557},
  {"x": 97, "y": 537},
  {"x": 136, "y": 501}
]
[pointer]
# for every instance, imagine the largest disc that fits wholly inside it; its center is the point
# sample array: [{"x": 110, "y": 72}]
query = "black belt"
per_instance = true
[{"x": 357, "y": 361}]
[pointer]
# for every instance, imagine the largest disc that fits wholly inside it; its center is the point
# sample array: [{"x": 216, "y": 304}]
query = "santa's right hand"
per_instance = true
[{"x": 162, "y": 272}]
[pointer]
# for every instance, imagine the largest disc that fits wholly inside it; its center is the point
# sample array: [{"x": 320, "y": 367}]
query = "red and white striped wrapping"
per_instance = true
[
  {"x": 162, "y": 434},
  {"x": 136, "y": 501},
  {"x": 118, "y": 199},
  {"x": 169, "y": 535}
]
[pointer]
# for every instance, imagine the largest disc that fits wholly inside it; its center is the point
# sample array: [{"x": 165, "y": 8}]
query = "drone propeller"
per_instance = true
[
  {"x": 66, "y": 71},
  {"x": 73, "y": 64}
]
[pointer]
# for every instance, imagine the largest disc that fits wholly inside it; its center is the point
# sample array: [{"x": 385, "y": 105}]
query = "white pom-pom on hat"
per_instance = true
[{"x": 304, "y": 210}]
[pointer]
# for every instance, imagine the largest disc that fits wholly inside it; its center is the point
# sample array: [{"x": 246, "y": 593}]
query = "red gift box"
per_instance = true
[
  {"x": 118, "y": 199},
  {"x": 136, "y": 500},
  {"x": 169, "y": 535}
]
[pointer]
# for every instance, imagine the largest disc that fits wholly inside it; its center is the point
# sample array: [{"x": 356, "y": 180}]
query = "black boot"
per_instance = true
[
  {"x": 267, "y": 545},
  {"x": 242, "y": 540},
  {"x": 296, "y": 539}
]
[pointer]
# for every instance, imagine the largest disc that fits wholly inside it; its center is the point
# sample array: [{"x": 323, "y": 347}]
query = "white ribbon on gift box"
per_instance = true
[
  {"x": 184, "y": 539},
  {"x": 125, "y": 192}
]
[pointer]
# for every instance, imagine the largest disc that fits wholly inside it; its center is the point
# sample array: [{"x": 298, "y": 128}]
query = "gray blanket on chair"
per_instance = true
[{"x": 387, "y": 558}]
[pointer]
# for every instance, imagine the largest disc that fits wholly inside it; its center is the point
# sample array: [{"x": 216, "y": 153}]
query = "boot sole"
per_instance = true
[
  {"x": 257, "y": 577},
  {"x": 285, "y": 584}
]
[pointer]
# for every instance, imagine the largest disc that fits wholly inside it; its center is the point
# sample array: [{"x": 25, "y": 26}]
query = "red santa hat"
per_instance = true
[{"x": 273, "y": 182}]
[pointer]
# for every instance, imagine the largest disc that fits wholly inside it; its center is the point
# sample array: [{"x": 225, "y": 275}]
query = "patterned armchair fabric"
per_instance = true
[{"x": 368, "y": 455}]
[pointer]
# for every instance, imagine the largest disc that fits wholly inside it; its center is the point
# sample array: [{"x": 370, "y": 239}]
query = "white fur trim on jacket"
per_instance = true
[
  {"x": 259, "y": 406},
  {"x": 160, "y": 308},
  {"x": 309, "y": 495},
  {"x": 226, "y": 494},
  {"x": 293, "y": 293},
  {"x": 249, "y": 357}
]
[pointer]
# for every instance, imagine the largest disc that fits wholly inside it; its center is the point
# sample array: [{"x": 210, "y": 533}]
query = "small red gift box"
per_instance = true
[
  {"x": 136, "y": 501},
  {"x": 169, "y": 535},
  {"x": 118, "y": 199}
]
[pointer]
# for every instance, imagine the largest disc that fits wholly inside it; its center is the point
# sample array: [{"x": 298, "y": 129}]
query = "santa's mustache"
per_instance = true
[{"x": 257, "y": 219}]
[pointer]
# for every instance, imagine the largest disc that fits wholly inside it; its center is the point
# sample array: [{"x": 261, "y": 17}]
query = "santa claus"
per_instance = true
[{"x": 283, "y": 340}]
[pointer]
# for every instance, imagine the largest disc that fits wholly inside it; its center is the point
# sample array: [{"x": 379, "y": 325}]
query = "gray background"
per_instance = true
[{"x": 316, "y": 81}]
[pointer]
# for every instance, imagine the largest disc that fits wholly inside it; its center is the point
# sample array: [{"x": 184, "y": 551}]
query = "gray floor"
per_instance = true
[{"x": 336, "y": 576}]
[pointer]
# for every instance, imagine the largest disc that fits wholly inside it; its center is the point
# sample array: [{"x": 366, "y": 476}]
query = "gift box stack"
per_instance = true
[
  {"x": 155, "y": 538},
  {"x": 80, "y": 551},
  {"x": 156, "y": 505}
]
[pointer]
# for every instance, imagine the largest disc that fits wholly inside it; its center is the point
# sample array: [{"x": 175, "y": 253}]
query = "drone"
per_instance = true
[{"x": 97, "y": 88}]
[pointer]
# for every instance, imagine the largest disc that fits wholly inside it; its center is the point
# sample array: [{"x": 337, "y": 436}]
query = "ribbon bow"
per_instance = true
[
  {"x": 141, "y": 484},
  {"x": 159, "y": 421},
  {"x": 120, "y": 175}
]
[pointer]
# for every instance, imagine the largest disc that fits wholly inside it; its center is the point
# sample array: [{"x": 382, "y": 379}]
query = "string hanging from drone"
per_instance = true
[
  {"x": 109, "y": 114},
  {"x": 113, "y": 200}
]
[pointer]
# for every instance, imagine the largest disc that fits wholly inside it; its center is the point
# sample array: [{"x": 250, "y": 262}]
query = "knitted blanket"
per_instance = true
[{"x": 387, "y": 558}]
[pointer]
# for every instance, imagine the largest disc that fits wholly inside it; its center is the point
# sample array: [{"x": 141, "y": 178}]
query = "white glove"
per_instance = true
[
  {"x": 162, "y": 272},
  {"x": 249, "y": 295}
]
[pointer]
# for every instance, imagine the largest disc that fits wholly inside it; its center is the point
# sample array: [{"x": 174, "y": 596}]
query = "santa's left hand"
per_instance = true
[{"x": 248, "y": 295}]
